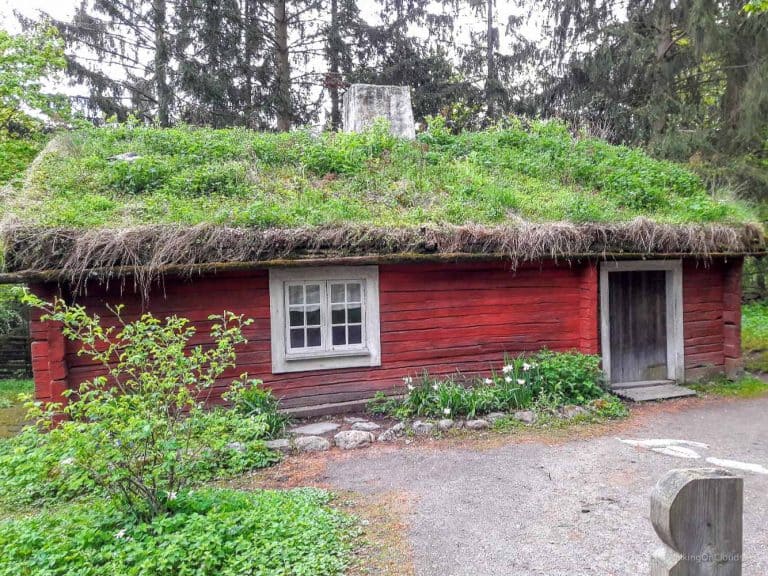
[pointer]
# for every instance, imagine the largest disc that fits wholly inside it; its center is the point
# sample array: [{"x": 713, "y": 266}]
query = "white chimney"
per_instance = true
[{"x": 364, "y": 103}]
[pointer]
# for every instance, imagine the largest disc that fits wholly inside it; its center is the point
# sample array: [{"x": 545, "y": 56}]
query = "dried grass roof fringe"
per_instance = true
[{"x": 146, "y": 251}]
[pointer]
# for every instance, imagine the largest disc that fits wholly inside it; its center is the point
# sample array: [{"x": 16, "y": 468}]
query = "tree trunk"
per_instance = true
[
  {"x": 283, "y": 68},
  {"x": 161, "y": 64},
  {"x": 491, "y": 82},
  {"x": 334, "y": 42}
]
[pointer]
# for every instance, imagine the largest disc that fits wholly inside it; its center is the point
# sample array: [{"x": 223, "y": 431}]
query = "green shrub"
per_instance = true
[
  {"x": 252, "y": 399},
  {"x": 141, "y": 433},
  {"x": 754, "y": 335},
  {"x": 208, "y": 533},
  {"x": 557, "y": 378}
]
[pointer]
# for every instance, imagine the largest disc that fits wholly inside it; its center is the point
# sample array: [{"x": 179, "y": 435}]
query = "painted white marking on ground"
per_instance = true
[
  {"x": 661, "y": 443},
  {"x": 677, "y": 452},
  {"x": 735, "y": 464}
]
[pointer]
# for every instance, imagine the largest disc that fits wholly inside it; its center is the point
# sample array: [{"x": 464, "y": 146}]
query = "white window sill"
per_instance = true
[{"x": 293, "y": 357}]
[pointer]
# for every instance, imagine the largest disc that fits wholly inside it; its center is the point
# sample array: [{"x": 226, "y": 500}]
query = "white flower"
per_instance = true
[
  {"x": 507, "y": 379},
  {"x": 520, "y": 381},
  {"x": 407, "y": 379},
  {"x": 434, "y": 387},
  {"x": 67, "y": 461},
  {"x": 171, "y": 495},
  {"x": 410, "y": 386},
  {"x": 446, "y": 411},
  {"x": 120, "y": 535},
  {"x": 507, "y": 368},
  {"x": 526, "y": 367},
  {"x": 488, "y": 381}
]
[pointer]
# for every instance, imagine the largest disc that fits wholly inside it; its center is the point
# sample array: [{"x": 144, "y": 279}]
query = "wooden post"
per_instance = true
[{"x": 697, "y": 513}]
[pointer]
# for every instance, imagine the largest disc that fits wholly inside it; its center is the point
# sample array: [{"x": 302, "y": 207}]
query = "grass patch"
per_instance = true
[
  {"x": 211, "y": 532},
  {"x": 745, "y": 387},
  {"x": 17, "y": 154},
  {"x": 754, "y": 336},
  {"x": 12, "y": 388},
  {"x": 536, "y": 171}
]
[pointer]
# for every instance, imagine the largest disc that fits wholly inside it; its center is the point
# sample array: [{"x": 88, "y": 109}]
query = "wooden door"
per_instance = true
[{"x": 638, "y": 325}]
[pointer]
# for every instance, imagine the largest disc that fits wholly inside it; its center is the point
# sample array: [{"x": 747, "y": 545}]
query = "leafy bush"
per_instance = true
[
  {"x": 557, "y": 378},
  {"x": 140, "y": 432},
  {"x": 754, "y": 335},
  {"x": 252, "y": 399},
  {"x": 208, "y": 533}
]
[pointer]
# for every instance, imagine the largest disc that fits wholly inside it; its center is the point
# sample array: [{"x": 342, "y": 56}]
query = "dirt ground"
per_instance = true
[{"x": 532, "y": 502}]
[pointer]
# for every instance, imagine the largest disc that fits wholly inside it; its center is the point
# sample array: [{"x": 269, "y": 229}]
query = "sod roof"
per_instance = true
[{"x": 135, "y": 197}]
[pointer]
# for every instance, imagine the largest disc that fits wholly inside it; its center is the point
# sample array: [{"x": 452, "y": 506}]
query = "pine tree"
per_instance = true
[{"x": 120, "y": 49}]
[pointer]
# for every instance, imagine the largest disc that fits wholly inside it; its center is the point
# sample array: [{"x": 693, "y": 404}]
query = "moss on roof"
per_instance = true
[
  {"x": 537, "y": 172},
  {"x": 100, "y": 203}
]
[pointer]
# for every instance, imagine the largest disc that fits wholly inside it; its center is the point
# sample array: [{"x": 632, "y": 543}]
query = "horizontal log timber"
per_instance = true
[{"x": 452, "y": 318}]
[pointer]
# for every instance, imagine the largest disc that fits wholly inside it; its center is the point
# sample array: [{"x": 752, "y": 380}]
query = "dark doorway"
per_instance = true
[{"x": 638, "y": 325}]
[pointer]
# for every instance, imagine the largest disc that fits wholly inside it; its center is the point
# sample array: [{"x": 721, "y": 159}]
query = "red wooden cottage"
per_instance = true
[{"x": 344, "y": 311}]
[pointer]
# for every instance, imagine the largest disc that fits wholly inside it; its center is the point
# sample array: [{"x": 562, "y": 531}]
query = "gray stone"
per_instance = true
[
  {"x": 525, "y": 416},
  {"x": 388, "y": 436},
  {"x": 312, "y": 444},
  {"x": 365, "y": 426},
  {"x": 477, "y": 424},
  {"x": 493, "y": 416},
  {"x": 399, "y": 428},
  {"x": 281, "y": 444},
  {"x": 316, "y": 428},
  {"x": 445, "y": 424},
  {"x": 649, "y": 393},
  {"x": 353, "y": 419},
  {"x": 364, "y": 103},
  {"x": 458, "y": 424},
  {"x": 349, "y": 439},
  {"x": 422, "y": 428},
  {"x": 236, "y": 446},
  {"x": 572, "y": 411},
  {"x": 125, "y": 157}
]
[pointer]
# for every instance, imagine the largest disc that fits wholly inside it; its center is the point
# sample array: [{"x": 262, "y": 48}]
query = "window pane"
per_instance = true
[
  {"x": 353, "y": 292},
  {"x": 313, "y": 293},
  {"x": 295, "y": 295},
  {"x": 354, "y": 315},
  {"x": 337, "y": 292},
  {"x": 313, "y": 315},
  {"x": 297, "y": 317},
  {"x": 337, "y": 314},
  {"x": 297, "y": 338},
  {"x": 313, "y": 337},
  {"x": 355, "y": 335},
  {"x": 339, "y": 336}
]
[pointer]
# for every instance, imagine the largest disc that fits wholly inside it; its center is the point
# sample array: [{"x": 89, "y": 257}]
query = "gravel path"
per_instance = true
[{"x": 570, "y": 509}]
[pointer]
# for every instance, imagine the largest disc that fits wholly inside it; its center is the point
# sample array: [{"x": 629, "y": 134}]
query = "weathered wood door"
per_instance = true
[{"x": 638, "y": 325}]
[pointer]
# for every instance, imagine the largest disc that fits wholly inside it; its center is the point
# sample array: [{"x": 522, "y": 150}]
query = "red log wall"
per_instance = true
[
  {"x": 436, "y": 317},
  {"x": 712, "y": 317}
]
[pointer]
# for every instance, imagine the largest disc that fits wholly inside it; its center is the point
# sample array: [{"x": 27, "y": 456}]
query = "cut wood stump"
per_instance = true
[{"x": 697, "y": 513}]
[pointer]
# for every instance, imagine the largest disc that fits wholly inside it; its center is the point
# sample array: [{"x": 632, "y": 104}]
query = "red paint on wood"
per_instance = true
[{"x": 436, "y": 317}]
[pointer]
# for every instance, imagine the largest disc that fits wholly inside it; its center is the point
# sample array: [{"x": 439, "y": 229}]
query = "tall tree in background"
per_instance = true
[
  {"x": 676, "y": 76},
  {"x": 26, "y": 60},
  {"x": 120, "y": 49},
  {"x": 342, "y": 33}
]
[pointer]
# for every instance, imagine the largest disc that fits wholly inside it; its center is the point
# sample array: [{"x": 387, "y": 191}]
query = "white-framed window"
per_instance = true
[{"x": 324, "y": 318}]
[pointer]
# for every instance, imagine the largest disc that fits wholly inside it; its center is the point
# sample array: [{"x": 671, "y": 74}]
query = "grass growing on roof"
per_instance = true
[{"x": 538, "y": 172}]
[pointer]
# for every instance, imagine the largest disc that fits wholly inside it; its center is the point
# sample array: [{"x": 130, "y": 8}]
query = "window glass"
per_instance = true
[{"x": 304, "y": 316}]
